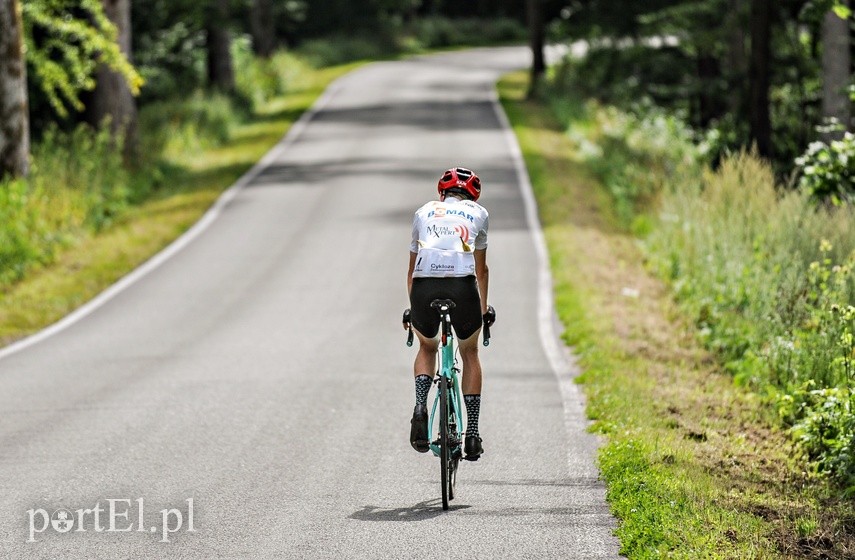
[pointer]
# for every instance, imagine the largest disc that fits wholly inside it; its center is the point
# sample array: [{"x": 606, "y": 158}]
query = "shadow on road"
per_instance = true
[{"x": 419, "y": 512}]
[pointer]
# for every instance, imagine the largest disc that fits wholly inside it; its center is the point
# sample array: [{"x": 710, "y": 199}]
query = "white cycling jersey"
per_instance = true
[{"x": 445, "y": 235}]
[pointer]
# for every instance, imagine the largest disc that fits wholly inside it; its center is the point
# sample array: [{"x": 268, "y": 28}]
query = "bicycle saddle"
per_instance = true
[{"x": 439, "y": 304}]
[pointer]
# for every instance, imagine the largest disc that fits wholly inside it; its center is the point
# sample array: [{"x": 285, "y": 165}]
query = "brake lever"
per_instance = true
[{"x": 409, "y": 327}]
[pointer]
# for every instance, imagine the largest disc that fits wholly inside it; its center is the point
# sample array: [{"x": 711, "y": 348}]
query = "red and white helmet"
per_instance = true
[{"x": 462, "y": 180}]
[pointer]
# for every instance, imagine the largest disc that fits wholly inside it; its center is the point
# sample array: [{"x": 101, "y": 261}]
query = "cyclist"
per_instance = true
[{"x": 448, "y": 260}]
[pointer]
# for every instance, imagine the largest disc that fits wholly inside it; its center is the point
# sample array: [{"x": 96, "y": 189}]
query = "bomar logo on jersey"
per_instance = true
[{"x": 450, "y": 212}]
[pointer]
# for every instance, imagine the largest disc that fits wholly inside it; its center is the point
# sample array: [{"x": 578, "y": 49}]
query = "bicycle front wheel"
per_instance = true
[{"x": 444, "y": 447}]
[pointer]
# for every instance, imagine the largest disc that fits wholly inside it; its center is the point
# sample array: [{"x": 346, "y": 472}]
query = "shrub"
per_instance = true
[
  {"x": 170, "y": 60},
  {"x": 767, "y": 275},
  {"x": 341, "y": 49},
  {"x": 764, "y": 272},
  {"x": 261, "y": 79},
  {"x": 824, "y": 428},
  {"x": 87, "y": 162},
  {"x": 201, "y": 121},
  {"x": 636, "y": 155},
  {"x": 436, "y": 32},
  {"x": 827, "y": 170},
  {"x": 77, "y": 184},
  {"x": 621, "y": 74},
  {"x": 21, "y": 231}
]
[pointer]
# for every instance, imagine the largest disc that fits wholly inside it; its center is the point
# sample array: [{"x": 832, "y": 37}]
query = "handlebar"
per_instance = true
[{"x": 409, "y": 326}]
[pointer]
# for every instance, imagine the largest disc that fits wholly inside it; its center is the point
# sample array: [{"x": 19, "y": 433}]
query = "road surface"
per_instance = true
[{"x": 256, "y": 382}]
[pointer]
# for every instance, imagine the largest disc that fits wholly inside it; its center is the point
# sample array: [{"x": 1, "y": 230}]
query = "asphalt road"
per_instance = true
[{"x": 258, "y": 378}]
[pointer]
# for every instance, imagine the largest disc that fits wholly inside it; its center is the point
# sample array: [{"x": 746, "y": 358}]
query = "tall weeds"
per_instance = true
[
  {"x": 767, "y": 276},
  {"x": 764, "y": 272},
  {"x": 78, "y": 184}
]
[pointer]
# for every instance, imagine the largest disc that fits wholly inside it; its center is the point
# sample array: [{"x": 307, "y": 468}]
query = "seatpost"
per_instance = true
[{"x": 446, "y": 325}]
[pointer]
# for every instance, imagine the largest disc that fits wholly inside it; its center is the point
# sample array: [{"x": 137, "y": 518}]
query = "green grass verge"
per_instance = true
[
  {"x": 194, "y": 180},
  {"x": 694, "y": 466}
]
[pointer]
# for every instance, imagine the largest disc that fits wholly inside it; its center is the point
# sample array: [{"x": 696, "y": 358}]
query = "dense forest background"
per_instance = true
[{"x": 743, "y": 72}]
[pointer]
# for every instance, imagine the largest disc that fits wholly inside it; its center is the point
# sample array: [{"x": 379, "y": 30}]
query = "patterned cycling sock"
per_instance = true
[
  {"x": 423, "y": 383},
  {"x": 473, "y": 407}
]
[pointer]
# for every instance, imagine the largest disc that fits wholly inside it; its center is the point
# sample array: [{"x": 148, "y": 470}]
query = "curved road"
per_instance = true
[{"x": 261, "y": 371}]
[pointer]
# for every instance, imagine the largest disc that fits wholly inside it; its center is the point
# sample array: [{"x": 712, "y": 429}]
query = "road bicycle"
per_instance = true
[{"x": 445, "y": 423}]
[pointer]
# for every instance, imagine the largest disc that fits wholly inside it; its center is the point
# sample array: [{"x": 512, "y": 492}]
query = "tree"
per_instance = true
[
  {"x": 836, "y": 61},
  {"x": 262, "y": 25},
  {"x": 112, "y": 97},
  {"x": 536, "y": 37},
  {"x": 760, "y": 72},
  {"x": 221, "y": 73},
  {"x": 14, "y": 118},
  {"x": 735, "y": 55}
]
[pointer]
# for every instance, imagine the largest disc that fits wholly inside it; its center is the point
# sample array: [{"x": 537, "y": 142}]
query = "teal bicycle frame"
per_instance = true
[{"x": 448, "y": 370}]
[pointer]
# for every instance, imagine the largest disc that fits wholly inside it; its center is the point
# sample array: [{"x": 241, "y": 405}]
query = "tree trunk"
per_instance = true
[
  {"x": 14, "y": 114},
  {"x": 758, "y": 102},
  {"x": 709, "y": 73},
  {"x": 536, "y": 38},
  {"x": 221, "y": 73},
  {"x": 736, "y": 57},
  {"x": 836, "y": 61},
  {"x": 112, "y": 98},
  {"x": 262, "y": 25}
]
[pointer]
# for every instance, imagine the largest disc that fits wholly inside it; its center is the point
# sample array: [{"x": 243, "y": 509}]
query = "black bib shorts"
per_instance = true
[{"x": 463, "y": 291}]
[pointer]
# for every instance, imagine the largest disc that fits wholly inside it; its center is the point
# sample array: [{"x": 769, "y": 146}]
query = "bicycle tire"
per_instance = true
[
  {"x": 454, "y": 460},
  {"x": 444, "y": 451}
]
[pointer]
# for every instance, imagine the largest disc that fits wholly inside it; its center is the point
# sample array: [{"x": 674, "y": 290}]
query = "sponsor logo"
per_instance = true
[
  {"x": 439, "y": 231},
  {"x": 462, "y": 232},
  {"x": 442, "y": 267},
  {"x": 451, "y": 212}
]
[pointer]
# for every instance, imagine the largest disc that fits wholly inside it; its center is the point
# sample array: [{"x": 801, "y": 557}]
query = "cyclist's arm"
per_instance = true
[{"x": 482, "y": 274}]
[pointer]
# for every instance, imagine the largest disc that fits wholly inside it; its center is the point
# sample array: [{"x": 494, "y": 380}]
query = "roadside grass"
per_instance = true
[
  {"x": 695, "y": 466},
  {"x": 191, "y": 181}
]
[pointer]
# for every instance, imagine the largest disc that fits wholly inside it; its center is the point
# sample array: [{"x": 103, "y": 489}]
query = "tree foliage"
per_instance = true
[
  {"x": 66, "y": 40},
  {"x": 713, "y": 61}
]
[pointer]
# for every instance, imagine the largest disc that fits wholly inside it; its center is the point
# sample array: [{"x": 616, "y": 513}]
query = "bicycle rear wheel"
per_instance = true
[
  {"x": 454, "y": 449},
  {"x": 444, "y": 447}
]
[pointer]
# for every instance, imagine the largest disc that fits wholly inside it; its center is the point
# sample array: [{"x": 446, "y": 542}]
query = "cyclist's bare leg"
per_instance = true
[
  {"x": 425, "y": 363},
  {"x": 471, "y": 383},
  {"x": 471, "y": 395}
]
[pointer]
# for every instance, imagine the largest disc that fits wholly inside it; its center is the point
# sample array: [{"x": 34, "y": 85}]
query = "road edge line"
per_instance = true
[{"x": 561, "y": 359}]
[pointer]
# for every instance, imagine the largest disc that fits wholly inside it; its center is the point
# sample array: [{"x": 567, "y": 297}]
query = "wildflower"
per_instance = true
[{"x": 824, "y": 246}]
